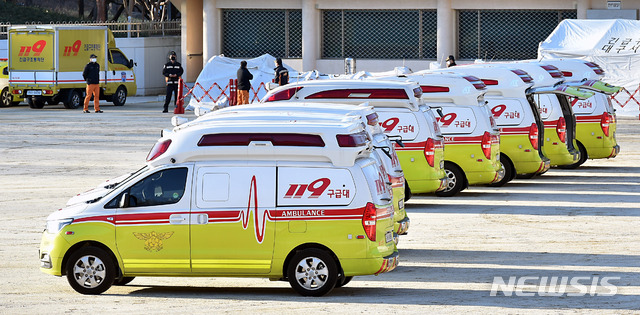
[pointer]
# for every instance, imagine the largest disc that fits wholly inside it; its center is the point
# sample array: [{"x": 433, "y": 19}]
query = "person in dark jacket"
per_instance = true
[
  {"x": 91, "y": 75},
  {"x": 172, "y": 71},
  {"x": 244, "y": 83},
  {"x": 451, "y": 61},
  {"x": 282, "y": 74}
]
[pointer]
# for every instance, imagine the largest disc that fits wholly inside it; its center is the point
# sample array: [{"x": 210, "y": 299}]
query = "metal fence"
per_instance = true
[
  {"x": 119, "y": 29},
  {"x": 252, "y": 33},
  {"x": 379, "y": 34},
  {"x": 506, "y": 34}
]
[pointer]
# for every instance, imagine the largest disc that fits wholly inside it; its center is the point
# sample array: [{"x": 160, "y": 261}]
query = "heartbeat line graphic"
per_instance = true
[{"x": 259, "y": 215}]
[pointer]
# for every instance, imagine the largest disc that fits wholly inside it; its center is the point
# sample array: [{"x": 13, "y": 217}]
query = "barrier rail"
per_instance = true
[
  {"x": 632, "y": 96},
  {"x": 119, "y": 29},
  {"x": 229, "y": 91}
]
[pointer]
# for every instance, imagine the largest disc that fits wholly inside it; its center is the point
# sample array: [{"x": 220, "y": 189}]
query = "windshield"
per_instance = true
[{"x": 127, "y": 179}]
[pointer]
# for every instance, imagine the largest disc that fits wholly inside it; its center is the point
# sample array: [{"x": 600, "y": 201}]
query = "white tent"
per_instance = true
[
  {"x": 219, "y": 70},
  {"x": 612, "y": 44}
]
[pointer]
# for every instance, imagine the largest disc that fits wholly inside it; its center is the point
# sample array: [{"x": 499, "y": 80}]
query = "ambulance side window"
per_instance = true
[
  {"x": 119, "y": 58},
  {"x": 160, "y": 188}
]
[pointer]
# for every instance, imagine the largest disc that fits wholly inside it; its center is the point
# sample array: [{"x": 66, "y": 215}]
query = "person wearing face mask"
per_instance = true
[
  {"x": 172, "y": 72},
  {"x": 451, "y": 61},
  {"x": 91, "y": 75}
]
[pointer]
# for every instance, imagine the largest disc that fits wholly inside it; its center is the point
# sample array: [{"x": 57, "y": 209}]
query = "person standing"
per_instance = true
[
  {"x": 172, "y": 71},
  {"x": 244, "y": 83},
  {"x": 451, "y": 61},
  {"x": 282, "y": 74},
  {"x": 91, "y": 75}
]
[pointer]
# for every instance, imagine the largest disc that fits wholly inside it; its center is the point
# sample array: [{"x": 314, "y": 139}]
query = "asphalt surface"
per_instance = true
[{"x": 566, "y": 223}]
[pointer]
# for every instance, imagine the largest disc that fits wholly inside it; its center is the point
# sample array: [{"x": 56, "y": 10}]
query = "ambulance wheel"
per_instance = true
[
  {"x": 74, "y": 99},
  {"x": 120, "y": 97},
  {"x": 6, "y": 96},
  {"x": 583, "y": 158},
  {"x": 342, "y": 281},
  {"x": 312, "y": 272},
  {"x": 52, "y": 102},
  {"x": 123, "y": 280},
  {"x": 90, "y": 270},
  {"x": 407, "y": 192},
  {"x": 525, "y": 176},
  {"x": 35, "y": 103},
  {"x": 507, "y": 171},
  {"x": 455, "y": 180}
]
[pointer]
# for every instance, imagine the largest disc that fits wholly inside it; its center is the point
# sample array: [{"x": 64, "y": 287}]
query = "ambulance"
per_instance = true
[
  {"x": 383, "y": 150},
  {"x": 402, "y": 115},
  {"x": 299, "y": 201},
  {"x": 556, "y": 111},
  {"x": 517, "y": 116},
  {"x": 471, "y": 137},
  {"x": 7, "y": 98},
  {"x": 595, "y": 116},
  {"x": 46, "y": 65}
]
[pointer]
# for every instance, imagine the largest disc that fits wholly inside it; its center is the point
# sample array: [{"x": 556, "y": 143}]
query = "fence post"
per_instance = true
[
  {"x": 180, "y": 101},
  {"x": 232, "y": 92}
]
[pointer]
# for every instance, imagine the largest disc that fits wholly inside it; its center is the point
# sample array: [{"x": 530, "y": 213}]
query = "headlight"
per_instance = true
[{"x": 54, "y": 226}]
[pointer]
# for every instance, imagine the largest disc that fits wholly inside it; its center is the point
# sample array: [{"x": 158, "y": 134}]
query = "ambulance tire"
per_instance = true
[
  {"x": 35, "y": 103},
  {"x": 52, "y": 102},
  {"x": 318, "y": 262},
  {"x": 342, "y": 281},
  {"x": 120, "y": 96},
  {"x": 7, "y": 98},
  {"x": 123, "y": 280},
  {"x": 456, "y": 180},
  {"x": 90, "y": 270},
  {"x": 74, "y": 99},
  {"x": 407, "y": 192},
  {"x": 583, "y": 158},
  {"x": 509, "y": 171},
  {"x": 525, "y": 176}
]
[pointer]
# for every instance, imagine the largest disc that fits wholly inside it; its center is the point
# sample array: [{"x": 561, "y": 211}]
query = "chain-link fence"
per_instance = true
[
  {"x": 378, "y": 34},
  {"x": 251, "y": 33},
  {"x": 506, "y": 34}
]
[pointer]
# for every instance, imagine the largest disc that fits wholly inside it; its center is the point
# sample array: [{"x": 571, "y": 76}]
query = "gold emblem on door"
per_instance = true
[{"x": 153, "y": 240}]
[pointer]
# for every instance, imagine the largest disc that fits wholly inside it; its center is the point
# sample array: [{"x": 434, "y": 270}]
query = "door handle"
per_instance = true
[
  {"x": 199, "y": 218},
  {"x": 179, "y": 219}
]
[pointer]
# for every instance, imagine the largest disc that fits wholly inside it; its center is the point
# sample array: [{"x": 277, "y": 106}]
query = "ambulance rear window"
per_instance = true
[{"x": 277, "y": 139}]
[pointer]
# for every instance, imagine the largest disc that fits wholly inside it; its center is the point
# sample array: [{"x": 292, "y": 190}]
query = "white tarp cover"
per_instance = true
[
  {"x": 612, "y": 44},
  {"x": 220, "y": 69}
]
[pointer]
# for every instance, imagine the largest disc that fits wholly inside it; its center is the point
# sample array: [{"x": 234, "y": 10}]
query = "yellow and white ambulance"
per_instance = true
[
  {"x": 402, "y": 115},
  {"x": 383, "y": 148},
  {"x": 595, "y": 116},
  {"x": 46, "y": 64},
  {"x": 6, "y": 96},
  {"x": 300, "y": 201}
]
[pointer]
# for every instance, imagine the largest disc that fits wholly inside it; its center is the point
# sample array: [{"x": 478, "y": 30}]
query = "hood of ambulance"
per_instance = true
[
  {"x": 98, "y": 192},
  {"x": 69, "y": 212}
]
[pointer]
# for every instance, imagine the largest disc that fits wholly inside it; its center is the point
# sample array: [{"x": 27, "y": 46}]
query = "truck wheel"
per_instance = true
[
  {"x": 90, "y": 270},
  {"x": 455, "y": 180},
  {"x": 312, "y": 272},
  {"x": 507, "y": 169},
  {"x": 35, "y": 103},
  {"x": 6, "y": 96},
  {"x": 120, "y": 97},
  {"x": 74, "y": 99}
]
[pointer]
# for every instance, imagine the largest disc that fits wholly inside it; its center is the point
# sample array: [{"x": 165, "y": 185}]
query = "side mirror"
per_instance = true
[
  {"x": 124, "y": 201},
  {"x": 131, "y": 63}
]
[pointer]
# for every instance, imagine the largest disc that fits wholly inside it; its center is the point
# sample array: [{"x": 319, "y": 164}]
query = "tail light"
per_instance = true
[
  {"x": 372, "y": 119},
  {"x": 158, "y": 149},
  {"x": 561, "y": 129},
  {"x": 369, "y": 219},
  {"x": 604, "y": 123},
  {"x": 489, "y": 82},
  {"x": 477, "y": 83},
  {"x": 526, "y": 78},
  {"x": 352, "y": 140},
  {"x": 17, "y": 92},
  {"x": 553, "y": 71},
  {"x": 284, "y": 94},
  {"x": 533, "y": 135},
  {"x": 486, "y": 144},
  {"x": 595, "y": 67},
  {"x": 429, "y": 151},
  {"x": 567, "y": 74},
  {"x": 434, "y": 89}
]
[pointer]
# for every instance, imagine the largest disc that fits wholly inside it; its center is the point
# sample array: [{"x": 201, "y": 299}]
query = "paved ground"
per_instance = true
[{"x": 574, "y": 223}]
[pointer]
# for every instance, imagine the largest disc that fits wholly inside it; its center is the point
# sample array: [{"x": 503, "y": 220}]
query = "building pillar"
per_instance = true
[
  {"x": 310, "y": 34},
  {"x": 191, "y": 44},
  {"x": 211, "y": 30},
  {"x": 445, "y": 37},
  {"x": 581, "y": 7}
]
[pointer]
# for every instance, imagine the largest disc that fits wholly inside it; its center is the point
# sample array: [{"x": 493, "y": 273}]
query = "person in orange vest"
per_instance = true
[
  {"x": 282, "y": 74},
  {"x": 244, "y": 83}
]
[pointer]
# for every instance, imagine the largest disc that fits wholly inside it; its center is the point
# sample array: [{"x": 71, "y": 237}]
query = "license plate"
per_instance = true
[
  {"x": 388, "y": 237},
  {"x": 34, "y": 92},
  {"x": 401, "y": 204}
]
